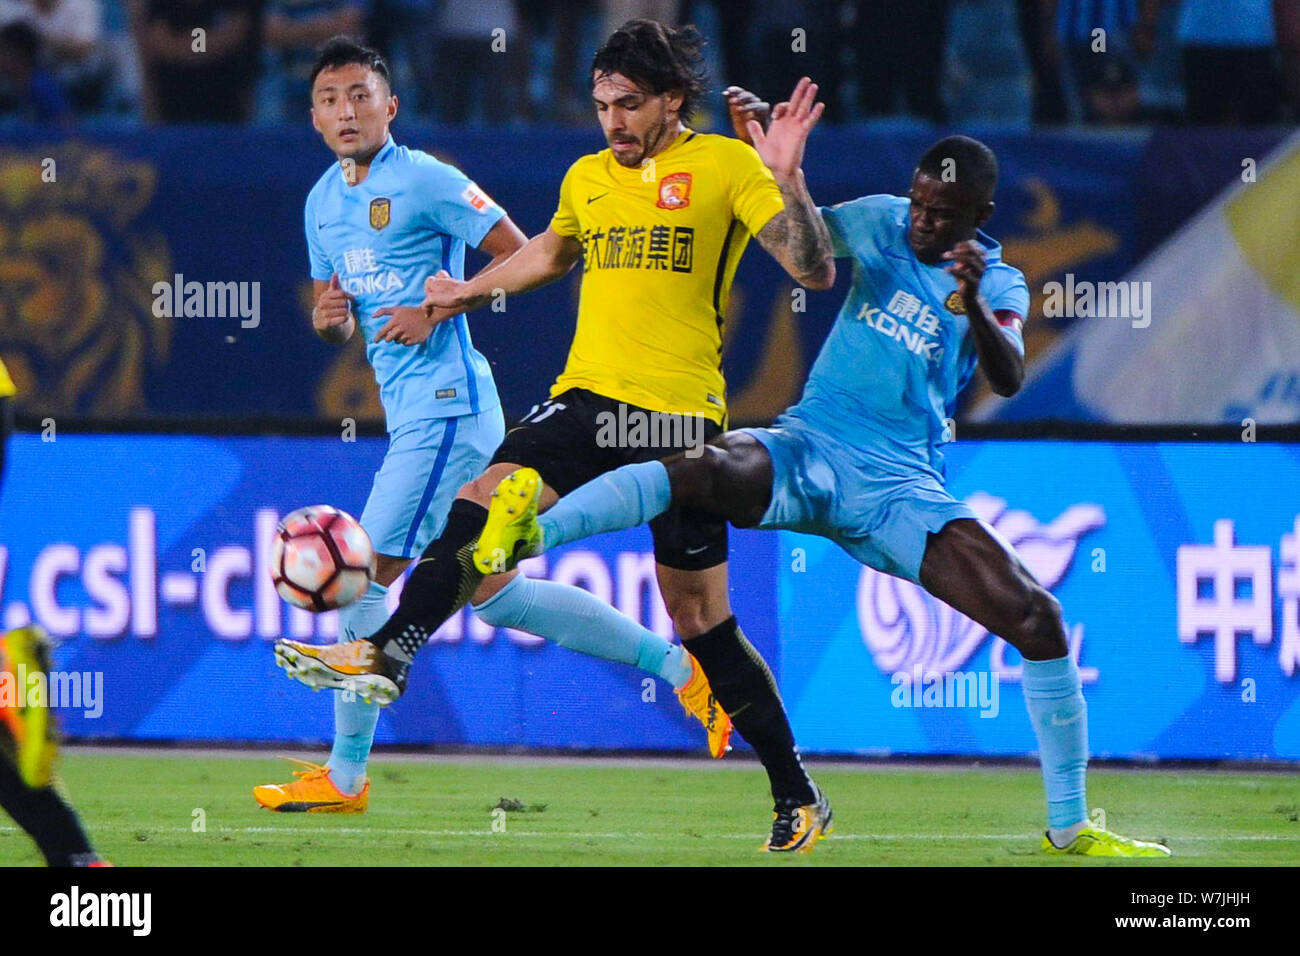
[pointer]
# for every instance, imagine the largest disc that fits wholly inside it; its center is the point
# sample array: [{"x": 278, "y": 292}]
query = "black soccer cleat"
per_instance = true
[{"x": 797, "y": 828}]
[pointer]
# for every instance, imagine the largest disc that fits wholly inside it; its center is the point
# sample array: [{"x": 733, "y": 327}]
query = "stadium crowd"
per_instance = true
[{"x": 1204, "y": 62}]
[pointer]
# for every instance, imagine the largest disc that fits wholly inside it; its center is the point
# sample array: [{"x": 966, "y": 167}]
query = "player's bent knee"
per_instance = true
[
  {"x": 479, "y": 490},
  {"x": 714, "y": 481},
  {"x": 694, "y": 611},
  {"x": 694, "y": 478},
  {"x": 489, "y": 586},
  {"x": 1041, "y": 630}
]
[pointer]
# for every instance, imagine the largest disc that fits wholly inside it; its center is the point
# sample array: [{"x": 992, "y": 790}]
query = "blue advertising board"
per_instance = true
[
  {"x": 1176, "y": 565},
  {"x": 146, "y": 556}
]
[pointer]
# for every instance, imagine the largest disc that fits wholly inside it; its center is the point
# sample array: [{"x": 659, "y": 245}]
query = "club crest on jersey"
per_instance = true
[
  {"x": 675, "y": 191},
  {"x": 954, "y": 304},
  {"x": 380, "y": 213}
]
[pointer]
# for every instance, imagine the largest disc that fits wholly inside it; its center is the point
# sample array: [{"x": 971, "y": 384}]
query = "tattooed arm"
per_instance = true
[{"x": 796, "y": 237}]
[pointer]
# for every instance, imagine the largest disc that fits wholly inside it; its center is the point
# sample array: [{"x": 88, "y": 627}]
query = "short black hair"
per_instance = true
[
  {"x": 972, "y": 163},
  {"x": 657, "y": 58},
  {"x": 343, "y": 50}
]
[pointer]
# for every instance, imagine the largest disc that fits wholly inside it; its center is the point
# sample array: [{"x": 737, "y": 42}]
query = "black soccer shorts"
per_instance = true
[{"x": 579, "y": 435}]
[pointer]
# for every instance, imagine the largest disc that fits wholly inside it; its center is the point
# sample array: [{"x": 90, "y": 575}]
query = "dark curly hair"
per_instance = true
[
  {"x": 656, "y": 58},
  {"x": 341, "y": 51}
]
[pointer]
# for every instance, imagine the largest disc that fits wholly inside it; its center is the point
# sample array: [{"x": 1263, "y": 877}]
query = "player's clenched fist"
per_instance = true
[
  {"x": 333, "y": 311},
  {"x": 443, "y": 293},
  {"x": 967, "y": 267}
]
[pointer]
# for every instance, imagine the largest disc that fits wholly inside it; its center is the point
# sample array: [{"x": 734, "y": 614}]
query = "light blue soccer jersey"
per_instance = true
[
  {"x": 900, "y": 350},
  {"x": 410, "y": 217}
]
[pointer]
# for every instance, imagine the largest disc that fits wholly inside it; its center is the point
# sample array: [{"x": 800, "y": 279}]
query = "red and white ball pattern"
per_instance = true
[{"x": 322, "y": 558}]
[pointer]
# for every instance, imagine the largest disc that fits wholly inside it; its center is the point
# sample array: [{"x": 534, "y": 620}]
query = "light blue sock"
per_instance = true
[
  {"x": 1054, "y": 696},
  {"x": 354, "y": 719},
  {"x": 580, "y": 621},
  {"x": 626, "y": 497}
]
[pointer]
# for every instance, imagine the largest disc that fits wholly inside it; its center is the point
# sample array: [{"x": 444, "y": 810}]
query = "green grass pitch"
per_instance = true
[{"x": 142, "y": 811}]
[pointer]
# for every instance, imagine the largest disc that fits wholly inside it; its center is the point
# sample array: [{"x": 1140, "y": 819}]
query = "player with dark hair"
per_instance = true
[
  {"x": 660, "y": 220},
  {"x": 858, "y": 459},
  {"x": 376, "y": 227},
  {"x": 28, "y": 740},
  {"x": 378, "y": 220}
]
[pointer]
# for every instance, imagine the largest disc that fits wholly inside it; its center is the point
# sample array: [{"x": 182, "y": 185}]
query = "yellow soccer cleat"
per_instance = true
[
  {"x": 28, "y": 738},
  {"x": 796, "y": 829},
  {"x": 356, "y": 666},
  {"x": 1094, "y": 841},
  {"x": 511, "y": 532},
  {"x": 312, "y": 792},
  {"x": 696, "y": 697}
]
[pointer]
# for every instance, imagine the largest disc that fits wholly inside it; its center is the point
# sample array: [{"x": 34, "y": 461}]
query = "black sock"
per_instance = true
[
  {"x": 442, "y": 581},
  {"x": 46, "y": 818},
  {"x": 744, "y": 686}
]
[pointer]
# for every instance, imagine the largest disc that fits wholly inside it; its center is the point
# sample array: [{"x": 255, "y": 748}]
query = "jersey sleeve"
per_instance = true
[
  {"x": 565, "y": 220},
  {"x": 455, "y": 205},
  {"x": 850, "y": 223},
  {"x": 318, "y": 261},
  {"x": 755, "y": 196},
  {"x": 1008, "y": 296}
]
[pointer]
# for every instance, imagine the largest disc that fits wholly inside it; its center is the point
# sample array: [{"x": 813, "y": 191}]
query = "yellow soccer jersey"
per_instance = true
[
  {"x": 6, "y": 383},
  {"x": 661, "y": 245}
]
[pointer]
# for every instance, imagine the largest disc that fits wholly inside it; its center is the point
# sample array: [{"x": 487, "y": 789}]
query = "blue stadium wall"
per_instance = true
[
  {"x": 1176, "y": 564},
  {"x": 93, "y": 220}
]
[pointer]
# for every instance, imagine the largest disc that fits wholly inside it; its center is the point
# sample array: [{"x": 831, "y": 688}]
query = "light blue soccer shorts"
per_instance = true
[
  {"x": 881, "y": 515},
  {"x": 426, "y": 463}
]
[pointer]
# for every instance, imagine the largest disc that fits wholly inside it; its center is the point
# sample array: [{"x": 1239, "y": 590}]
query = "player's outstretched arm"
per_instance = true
[
  {"x": 796, "y": 237},
  {"x": 414, "y": 324},
  {"x": 544, "y": 258}
]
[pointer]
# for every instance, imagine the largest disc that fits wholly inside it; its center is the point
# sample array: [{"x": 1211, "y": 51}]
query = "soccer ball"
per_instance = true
[{"x": 322, "y": 558}]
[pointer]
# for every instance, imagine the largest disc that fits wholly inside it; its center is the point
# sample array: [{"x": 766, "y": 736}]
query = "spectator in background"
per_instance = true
[
  {"x": 617, "y": 12},
  {"x": 792, "y": 39},
  {"x": 477, "y": 75},
  {"x": 734, "y": 20},
  {"x": 27, "y": 90},
  {"x": 73, "y": 31},
  {"x": 899, "y": 47},
  {"x": 1230, "y": 69},
  {"x": 1230, "y": 64},
  {"x": 191, "y": 81},
  {"x": 293, "y": 29},
  {"x": 1286, "y": 24},
  {"x": 405, "y": 32},
  {"x": 70, "y": 32},
  {"x": 562, "y": 23},
  {"x": 1038, "y": 35},
  {"x": 1102, "y": 40}
]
